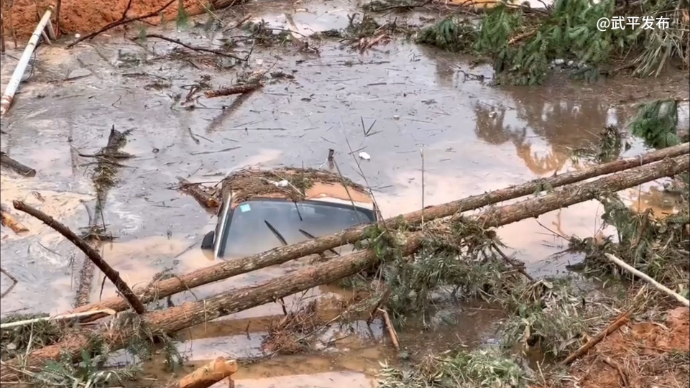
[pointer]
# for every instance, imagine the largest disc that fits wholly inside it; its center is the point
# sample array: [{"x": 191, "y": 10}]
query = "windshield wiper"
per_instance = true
[
  {"x": 276, "y": 233},
  {"x": 311, "y": 236}
]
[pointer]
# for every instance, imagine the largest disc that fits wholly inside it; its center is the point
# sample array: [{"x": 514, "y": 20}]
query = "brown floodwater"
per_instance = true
[{"x": 474, "y": 137}]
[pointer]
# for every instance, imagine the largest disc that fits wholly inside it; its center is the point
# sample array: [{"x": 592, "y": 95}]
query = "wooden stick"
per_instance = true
[
  {"x": 2, "y": 29},
  {"x": 208, "y": 374},
  {"x": 196, "y": 48},
  {"x": 57, "y": 18},
  {"x": 620, "y": 321},
  {"x": 391, "y": 329},
  {"x": 12, "y": 278},
  {"x": 113, "y": 275},
  {"x": 619, "y": 368},
  {"x": 123, "y": 20},
  {"x": 56, "y": 318},
  {"x": 648, "y": 279},
  {"x": 9, "y": 221},
  {"x": 384, "y": 298},
  {"x": 16, "y": 166},
  {"x": 235, "y": 89},
  {"x": 512, "y": 263}
]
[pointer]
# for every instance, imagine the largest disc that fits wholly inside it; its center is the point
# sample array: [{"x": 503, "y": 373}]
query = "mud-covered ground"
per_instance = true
[{"x": 474, "y": 138}]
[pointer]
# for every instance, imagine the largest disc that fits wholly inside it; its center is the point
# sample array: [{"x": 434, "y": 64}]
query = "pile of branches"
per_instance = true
[{"x": 525, "y": 46}]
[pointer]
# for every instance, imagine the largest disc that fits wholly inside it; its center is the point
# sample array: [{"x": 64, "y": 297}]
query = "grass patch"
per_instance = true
[{"x": 479, "y": 368}]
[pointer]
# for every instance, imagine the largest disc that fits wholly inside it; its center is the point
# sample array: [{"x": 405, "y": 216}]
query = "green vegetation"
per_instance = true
[
  {"x": 523, "y": 45},
  {"x": 479, "y": 368},
  {"x": 656, "y": 123}
]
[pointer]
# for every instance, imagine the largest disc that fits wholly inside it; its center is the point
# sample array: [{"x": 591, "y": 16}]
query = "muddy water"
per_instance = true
[{"x": 474, "y": 138}]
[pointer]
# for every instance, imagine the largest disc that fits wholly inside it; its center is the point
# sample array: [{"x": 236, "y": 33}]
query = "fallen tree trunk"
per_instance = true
[
  {"x": 232, "y": 301},
  {"x": 281, "y": 255}
]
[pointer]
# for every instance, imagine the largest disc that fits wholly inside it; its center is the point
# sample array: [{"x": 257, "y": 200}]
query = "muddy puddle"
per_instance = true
[{"x": 475, "y": 138}]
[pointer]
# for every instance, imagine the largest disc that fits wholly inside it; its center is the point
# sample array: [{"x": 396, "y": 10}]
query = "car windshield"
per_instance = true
[{"x": 259, "y": 225}]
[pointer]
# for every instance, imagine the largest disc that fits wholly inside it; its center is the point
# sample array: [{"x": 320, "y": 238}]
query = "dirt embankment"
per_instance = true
[
  {"x": 644, "y": 354},
  {"x": 83, "y": 16}
]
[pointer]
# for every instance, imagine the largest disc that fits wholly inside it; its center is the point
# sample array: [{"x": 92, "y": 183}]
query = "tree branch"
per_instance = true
[
  {"x": 91, "y": 253},
  {"x": 123, "y": 20},
  {"x": 195, "y": 48}
]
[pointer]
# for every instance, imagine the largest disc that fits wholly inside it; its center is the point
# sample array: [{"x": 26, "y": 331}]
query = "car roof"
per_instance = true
[{"x": 295, "y": 184}]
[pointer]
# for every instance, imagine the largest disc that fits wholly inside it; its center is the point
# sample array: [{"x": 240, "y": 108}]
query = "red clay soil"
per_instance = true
[
  {"x": 83, "y": 16},
  {"x": 640, "y": 355}
]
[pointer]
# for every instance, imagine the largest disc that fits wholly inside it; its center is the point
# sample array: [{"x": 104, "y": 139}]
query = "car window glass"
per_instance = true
[{"x": 249, "y": 233}]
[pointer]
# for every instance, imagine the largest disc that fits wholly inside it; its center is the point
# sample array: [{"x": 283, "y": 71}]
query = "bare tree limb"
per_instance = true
[
  {"x": 196, "y": 48},
  {"x": 94, "y": 256},
  {"x": 123, "y": 20}
]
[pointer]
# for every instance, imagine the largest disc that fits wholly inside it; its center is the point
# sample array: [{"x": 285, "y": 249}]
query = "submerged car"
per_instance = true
[{"x": 261, "y": 210}]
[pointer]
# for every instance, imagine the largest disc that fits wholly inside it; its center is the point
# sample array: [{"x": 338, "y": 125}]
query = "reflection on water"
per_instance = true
[{"x": 560, "y": 127}]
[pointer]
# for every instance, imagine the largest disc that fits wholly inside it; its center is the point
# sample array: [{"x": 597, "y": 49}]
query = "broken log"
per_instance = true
[
  {"x": 9, "y": 221},
  {"x": 205, "y": 199},
  {"x": 284, "y": 254},
  {"x": 16, "y": 166},
  {"x": 235, "y": 89},
  {"x": 94, "y": 256},
  {"x": 232, "y": 301},
  {"x": 207, "y": 375}
]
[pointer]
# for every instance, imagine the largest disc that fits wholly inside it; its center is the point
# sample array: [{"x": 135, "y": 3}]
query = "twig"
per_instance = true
[
  {"x": 94, "y": 256},
  {"x": 391, "y": 329},
  {"x": 57, "y": 18},
  {"x": 196, "y": 48},
  {"x": 16, "y": 166},
  {"x": 235, "y": 89},
  {"x": 214, "y": 152},
  {"x": 342, "y": 182},
  {"x": 123, "y": 20},
  {"x": 361, "y": 173},
  {"x": 620, "y": 321},
  {"x": 648, "y": 279},
  {"x": 404, "y": 7},
  {"x": 421, "y": 153},
  {"x": 57, "y": 318},
  {"x": 512, "y": 263},
  {"x": 2, "y": 28},
  {"x": 384, "y": 297},
  {"x": 242, "y": 21},
  {"x": 85, "y": 281},
  {"x": 619, "y": 368},
  {"x": 12, "y": 278},
  {"x": 520, "y": 37},
  {"x": 642, "y": 229}
]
